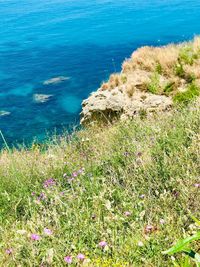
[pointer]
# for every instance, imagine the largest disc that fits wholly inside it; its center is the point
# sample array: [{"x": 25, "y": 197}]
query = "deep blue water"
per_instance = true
[{"x": 81, "y": 39}]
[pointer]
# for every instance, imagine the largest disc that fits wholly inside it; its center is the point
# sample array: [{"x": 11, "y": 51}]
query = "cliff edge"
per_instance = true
[{"x": 152, "y": 80}]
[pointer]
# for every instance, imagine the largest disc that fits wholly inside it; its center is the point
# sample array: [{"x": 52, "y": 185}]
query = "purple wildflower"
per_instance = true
[
  {"x": 175, "y": 193},
  {"x": 48, "y": 231},
  {"x": 149, "y": 229},
  {"x": 81, "y": 171},
  {"x": 139, "y": 154},
  {"x": 42, "y": 196},
  {"x": 127, "y": 213},
  {"x": 9, "y": 251},
  {"x": 49, "y": 183},
  {"x": 81, "y": 257},
  {"x": 74, "y": 174},
  {"x": 142, "y": 196},
  {"x": 197, "y": 185},
  {"x": 33, "y": 194},
  {"x": 103, "y": 244},
  {"x": 35, "y": 237},
  {"x": 68, "y": 259}
]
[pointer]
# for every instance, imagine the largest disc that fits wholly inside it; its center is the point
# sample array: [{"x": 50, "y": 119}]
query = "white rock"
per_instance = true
[
  {"x": 41, "y": 98},
  {"x": 56, "y": 80}
]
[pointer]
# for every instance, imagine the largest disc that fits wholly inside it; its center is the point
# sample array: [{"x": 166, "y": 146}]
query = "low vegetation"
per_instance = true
[
  {"x": 169, "y": 70},
  {"x": 109, "y": 196}
]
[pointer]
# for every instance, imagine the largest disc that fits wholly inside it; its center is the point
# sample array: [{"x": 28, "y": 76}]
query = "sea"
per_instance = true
[{"x": 81, "y": 41}]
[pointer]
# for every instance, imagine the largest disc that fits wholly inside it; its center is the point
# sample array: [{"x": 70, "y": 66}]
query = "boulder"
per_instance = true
[{"x": 107, "y": 105}]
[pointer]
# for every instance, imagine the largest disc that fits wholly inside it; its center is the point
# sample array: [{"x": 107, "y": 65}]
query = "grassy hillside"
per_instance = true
[
  {"x": 172, "y": 70},
  {"x": 116, "y": 195}
]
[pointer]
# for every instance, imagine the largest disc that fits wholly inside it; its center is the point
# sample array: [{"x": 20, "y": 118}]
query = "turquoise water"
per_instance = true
[{"x": 79, "y": 39}]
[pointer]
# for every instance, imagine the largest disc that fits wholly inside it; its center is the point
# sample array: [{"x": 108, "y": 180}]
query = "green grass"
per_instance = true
[
  {"x": 190, "y": 94},
  {"x": 126, "y": 176},
  {"x": 153, "y": 86},
  {"x": 187, "y": 55}
]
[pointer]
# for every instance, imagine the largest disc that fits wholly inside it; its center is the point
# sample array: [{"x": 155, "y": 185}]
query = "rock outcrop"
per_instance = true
[
  {"x": 150, "y": 81},
  {"x": 107, "y": 105}
]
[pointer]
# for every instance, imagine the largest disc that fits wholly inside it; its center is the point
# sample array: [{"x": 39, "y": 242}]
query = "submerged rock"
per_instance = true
[
  {"x": 41, "y": 98},
  {"x": 4, "y": 113},
  {"x": 56, "y": 80}
]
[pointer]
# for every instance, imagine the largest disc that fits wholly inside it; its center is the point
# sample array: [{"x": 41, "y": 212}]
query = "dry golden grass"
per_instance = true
[
  {"x": 164, "y": 70},
  {"x": 148, "y": 58},
  {"x": 193, "y": 69},
  {"x": 130, "y": 89},
  {"x": 196, "y": 44}
]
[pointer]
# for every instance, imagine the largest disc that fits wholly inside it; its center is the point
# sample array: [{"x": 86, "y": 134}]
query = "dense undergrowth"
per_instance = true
[{"x": 116, "y": 195}]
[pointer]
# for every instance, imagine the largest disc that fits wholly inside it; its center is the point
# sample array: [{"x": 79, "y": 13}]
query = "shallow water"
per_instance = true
[{"x": 81, "y": 39}]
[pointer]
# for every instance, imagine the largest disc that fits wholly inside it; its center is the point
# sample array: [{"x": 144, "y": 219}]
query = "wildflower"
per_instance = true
[
  {"x": 139, "y": 154},
  {"x": 142, "y": 196},
  {"x": 42, "y": 196},
  {"x": 33, "y": 194},
  {"x": 74, "y": 174},
  {"x": 49, "y": 183},
  {"x": 140, "y": 244},
  {"x": 9, "y": 251},
  {"x": 126, "y": 154},
  {"x": 175, "y": 193},
  {"x": 48, "y": 231},
  {"x": 127, "y": 213},
  {"x": 81, "y": 170},
  {"x": 149, "y": 229},
  {"x": 162, "y": 221},
  {"x": 68, "y": 259},
  {"x": 35, "y": 237},
  {"x": 197, "y": 185},
  {"x": 81, "y": 257},
  {"x": 103, "y": 244}
]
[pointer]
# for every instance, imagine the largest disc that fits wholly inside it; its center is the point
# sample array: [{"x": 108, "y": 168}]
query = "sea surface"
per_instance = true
[{"x": 79, "y": 39}]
